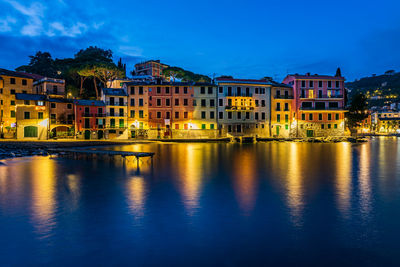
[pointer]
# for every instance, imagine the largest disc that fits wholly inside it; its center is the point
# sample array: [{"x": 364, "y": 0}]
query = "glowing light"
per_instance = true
[
  {"x": 136, "y": 195},
  {"x": 294, "y": 184},
  {"x": 343, "y": 177},
  {"x": 44, "y": 123}
]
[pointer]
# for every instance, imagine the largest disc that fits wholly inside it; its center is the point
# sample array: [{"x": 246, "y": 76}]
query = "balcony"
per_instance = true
[
  {"x": 283, "y": 97},
  {"x": 108, "y": 103},
  {"x": 330, "y": 97},
  {"x": 116, "y": 126},
  {"x": 238, "y": 108},
  {"x": 55, "y": 121},
  {"x": 238, "y": 95},
  {"x": 321, "y": 108},
  {"x": 109, "y": 114}
]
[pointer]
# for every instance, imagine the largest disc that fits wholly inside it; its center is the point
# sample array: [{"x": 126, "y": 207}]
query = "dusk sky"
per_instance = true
[{"x": 246, "y": 39}]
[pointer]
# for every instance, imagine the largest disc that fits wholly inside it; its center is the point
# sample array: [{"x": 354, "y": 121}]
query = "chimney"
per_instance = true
[{"x": 338, "y": 73}]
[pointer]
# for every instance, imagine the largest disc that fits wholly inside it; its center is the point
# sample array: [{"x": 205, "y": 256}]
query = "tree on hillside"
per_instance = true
[
  {"x": 358, "y": 111},
  {"x": 93, "y": 54},
  {"x": 88, "y": 71},
  {"x": 41, "y": 63},
  {"x": 106, "y": 72}
]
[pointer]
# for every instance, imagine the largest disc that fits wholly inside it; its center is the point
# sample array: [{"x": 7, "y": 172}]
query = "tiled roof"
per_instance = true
[
  {"x": 114, "y": 91},
  {"x": 86, "y": 102},
  {"x": 251, "y": 81},
  {"x": 315, "y": 76},
  {"x": 35, "y": 97},
  {"x": 60, "y": 100},
  {"x": 14, "y": 74}
]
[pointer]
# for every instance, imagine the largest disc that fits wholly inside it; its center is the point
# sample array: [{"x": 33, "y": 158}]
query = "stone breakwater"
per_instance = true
[{"x": 11, "y": 149}]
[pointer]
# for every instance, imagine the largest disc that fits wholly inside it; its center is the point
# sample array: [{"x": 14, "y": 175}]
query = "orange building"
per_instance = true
[{"x": 153, "y": 68}]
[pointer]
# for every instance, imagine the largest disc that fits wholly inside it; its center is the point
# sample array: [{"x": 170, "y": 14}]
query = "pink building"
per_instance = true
[{"x": 318, "y": 105}]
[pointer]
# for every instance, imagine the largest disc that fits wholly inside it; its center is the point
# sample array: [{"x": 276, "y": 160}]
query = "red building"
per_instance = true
[
  {"x": 90, "y": 119},
  {"x": 171, "y": 106}
]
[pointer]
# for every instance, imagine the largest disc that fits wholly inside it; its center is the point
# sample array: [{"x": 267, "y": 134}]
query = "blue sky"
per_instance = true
[{"x": 246, "y": 39}]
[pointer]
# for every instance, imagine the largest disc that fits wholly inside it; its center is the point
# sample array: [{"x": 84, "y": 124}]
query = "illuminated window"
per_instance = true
[
  {"x": 310, "y": 93},
  {"x": 141, "y": 114},
  {"x": 40, "y": 115}
]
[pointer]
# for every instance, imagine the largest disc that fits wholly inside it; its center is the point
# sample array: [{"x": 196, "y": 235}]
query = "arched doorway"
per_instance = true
[
  {"x": 87, "y": 134},
  {"x": 61, "y": 132},
  {"x": 100, "y": 134}
]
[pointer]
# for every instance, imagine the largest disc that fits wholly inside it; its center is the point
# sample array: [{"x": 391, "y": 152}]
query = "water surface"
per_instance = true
[{"x": 220, "y": 204}]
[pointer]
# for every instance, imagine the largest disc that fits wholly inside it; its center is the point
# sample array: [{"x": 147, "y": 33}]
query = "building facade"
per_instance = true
[
  {"x": 282, "y": 115},
  {"x": 90, "y": 119},
  {"x": 138, "y": 108},
  {"x": 244, "y": 107},
  {"x": 318, "y": 104},
  {"x": 116, "y": 101},
  {"x": 61, "y": 117},
  {"x": 49, "y": 86},
  {"x": 11, "y": 83},
  {"x": 205, "y": 100},
  {"x": 153, "y": 68}
]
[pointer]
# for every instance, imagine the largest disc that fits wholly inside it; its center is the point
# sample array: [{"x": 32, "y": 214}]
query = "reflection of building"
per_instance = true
[
  {"x": 116, "y": 110},
  {"x": 90, "y": 119},
  {"x": 32, "y": 117},
  {"x": 318, "y": 104},
  {"x": 244, "y": 106},
  {"x": 281, "y": 110},
  {"x": 153, "y": 68},
  {"x": 11, "y": 83}
]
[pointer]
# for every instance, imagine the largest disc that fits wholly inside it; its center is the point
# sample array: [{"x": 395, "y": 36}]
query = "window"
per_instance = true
[
  {"x": 176, "y": 90},
  {"x": 40, "y": 115},
  {"x": 168, "y": 102},
  {"x": 239, "y": 115},
  {"x": 12, "y": 91},
  {"x": 212, "y": 102},
  {"x": 278, "y": 106},
  {"x": 69, "y": 106},
  {"x": 221, "y": 115},
  {"x": 176, "y": 102},
  {"x": 12, "y": 102},
  {"x": 329, "y": 126},
  {"x": 256, "y": 91},
  {"x": 185, "y": 102},
  {"x": 24, "y": 82},
  {"x": 203, "y": 126},
  {"x": 320, "y": 84},
  {"x": 203, "y": 114},
  {"x": 185, "y": 90},
  {"x": 220, "y": 102},
  {"x": 263, "y": 115},
  {"x": 335, "y": 126},
  {"x": 158, "y": 90},
  {"x": 159, "y": 102},
  {"x": 27, "y": 115},
  {"x": 185, "y": 115},
  {"x": 202, "y": 90},
  {"x": 311, "y": 84},
  {"x": 141, "y": 114},
  {"x": 286, "y": 118},
  {"x": 210, "y": 90},
  {"x": 221, "y": 90},
  {"x": 53, "y": 105},
  {"x": 320, "y": 117},
  {"x": 337, "y": 84},
  {"x": 167, "y": 115},
  {"x": 55, "y": 89},
  {"x": 303, "y": 84},
  {"x": 256, "y": 102},
  {"x": 303, "y": 94},
  {"x": 140, "y": 90},
  {"x": 263, "y": 103},
  {"x": 212, "y": 115},
  {"x": 26, "y": 102},
  {"x": 132, "y": 114},
  {"x": 329, "y": 117},
  {"x": 12, "y": 80},
  {"x": 329, "y": 86},
  {"x": 310, "y": 117},
  {"x": 12, "y": 113},
  {"x": 287, "y": 127},
  {"x": 278, "y": 118},
  {"x": 336, "y": 116},
  {"x": 132, "y": 90},
  {"x": 310, "y": 93},
  {"x": 286, "y": 106},
  {"x": 176, "y": 126},
  {"x": 203, "y": 103},
  {"x": 194, "y": 102},
  {"x": 229, "y": 115},
  {"x": 132, "y": 102},
  {"x": 322, "y": 126},
  {"x": 167, "y": 90},
  {"x": 177, "y": 115},
  {"x": 212, "y": 126},
  {"x": 303, "y": 117},
  {"x": 158, "y": 115},
  {"x": 256, "y": 115}
]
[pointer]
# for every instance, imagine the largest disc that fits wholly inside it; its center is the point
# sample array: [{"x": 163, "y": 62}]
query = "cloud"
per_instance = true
[
  {"x": 5, "y": 24},
  {"x": 34, "y": 14},
  {"x": 58, "y": 28}
]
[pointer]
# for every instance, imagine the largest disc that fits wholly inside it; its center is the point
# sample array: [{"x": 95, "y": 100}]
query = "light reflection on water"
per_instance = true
[{"x": 202, "y": 199}]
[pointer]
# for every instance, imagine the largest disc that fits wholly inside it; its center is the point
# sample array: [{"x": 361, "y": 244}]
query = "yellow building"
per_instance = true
[
  {"x": 281, "y": 110},
  {"x": 116, "y": 126},
  {"x": 138, "y": 108},
  {"x": 205, "y": 108},
  {"x": 11, "y": 83},
  {"x": 32, "y": 117}
]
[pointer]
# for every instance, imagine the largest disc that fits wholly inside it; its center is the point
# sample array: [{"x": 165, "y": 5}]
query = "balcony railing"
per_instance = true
[
  {"x": 238, "y": 108},
  {"x": 239, "y": 95},
  {"x": 108, "y": 103},
  {"x": 109, "y": 114},
  {"x": 90, "y": 115},
  {"x": 117, "y": 126},
  {"x": 283, "y": 97},
  {"x": 321, "y": 108},
  {"x": 55, "y": 121}
]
